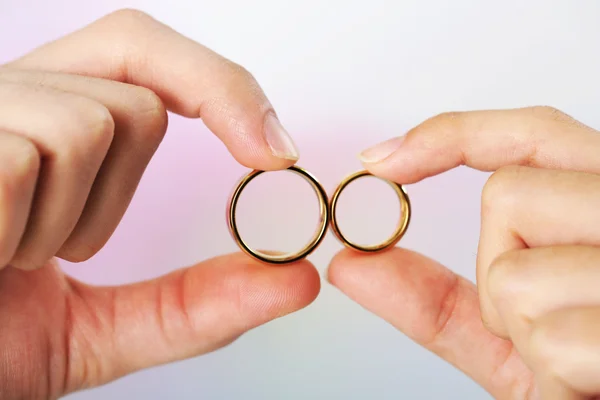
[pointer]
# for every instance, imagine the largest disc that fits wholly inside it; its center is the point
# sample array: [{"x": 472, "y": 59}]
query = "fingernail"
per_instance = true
[
  {"x": 278, "y": 139},
  {"x": 381, "y": 151}
]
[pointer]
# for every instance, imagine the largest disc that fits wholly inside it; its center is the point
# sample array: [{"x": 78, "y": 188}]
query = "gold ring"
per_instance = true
[
  {"x": 274, "y": 258},
  {"x": 405, "y": 210}
]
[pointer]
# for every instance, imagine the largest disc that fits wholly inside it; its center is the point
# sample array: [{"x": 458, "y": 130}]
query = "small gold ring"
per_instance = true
[
  {"x": 405, "y": 210},
  {"x": 273, "y": 257}
]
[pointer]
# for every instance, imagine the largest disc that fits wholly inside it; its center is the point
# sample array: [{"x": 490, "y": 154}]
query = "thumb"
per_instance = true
[
  {"x": 437, "y": 309},
  {"x": 118, "y": 330}
]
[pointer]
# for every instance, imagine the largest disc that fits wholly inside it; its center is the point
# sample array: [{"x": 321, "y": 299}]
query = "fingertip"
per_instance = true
[
  {"x": 381, "y": 152},
  {"x": 396, "y": 159},
  {"x": 371, "y": 278},
  {"x": 350, "y": 270},
  {"x": 349, "y": 258},
  {"x": 237, "y": 110},
  {"x": 403, "y": 168},
  {"x": 191, "y": 311},
  {"x": 278, "y": 139},
  {"x": 253, "y": 135},
  {"x": 267, "y": 292},
  {"x": 262, "y": 160},
  {"x": 339, "y": 265}
]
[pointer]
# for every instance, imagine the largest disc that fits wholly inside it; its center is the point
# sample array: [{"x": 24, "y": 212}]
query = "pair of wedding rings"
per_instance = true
[{"x": 327, "y": 210}]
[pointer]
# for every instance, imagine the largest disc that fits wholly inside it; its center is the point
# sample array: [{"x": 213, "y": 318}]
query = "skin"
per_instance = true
[
  {"x": 79, "y": 122},
  {"x": 530, "y": 328}
]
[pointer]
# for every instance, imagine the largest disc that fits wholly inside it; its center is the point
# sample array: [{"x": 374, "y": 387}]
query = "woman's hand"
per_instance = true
[
  {"x": 80, "y": 119},
  {"x": 538, "y": 264}
]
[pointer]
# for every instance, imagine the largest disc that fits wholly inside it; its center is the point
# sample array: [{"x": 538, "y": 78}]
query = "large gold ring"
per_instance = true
[
  {"x": 274, "y": 258},
  {"x": 405, "y": 210}
]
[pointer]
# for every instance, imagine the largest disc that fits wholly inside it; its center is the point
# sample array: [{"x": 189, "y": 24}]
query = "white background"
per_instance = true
[{"x": 342, "y": 75}]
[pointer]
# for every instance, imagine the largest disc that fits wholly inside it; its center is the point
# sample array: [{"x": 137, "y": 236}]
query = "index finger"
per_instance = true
[
  {"x": 540, "y": 137},
  {"x": 192, "y": 80},
  {"x": 487, "y": 140}
]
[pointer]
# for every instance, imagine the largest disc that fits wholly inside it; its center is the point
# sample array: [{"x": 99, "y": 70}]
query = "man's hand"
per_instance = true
[
  {"x": 80, "y": 119},
  {"x": 538, "y": 266}
]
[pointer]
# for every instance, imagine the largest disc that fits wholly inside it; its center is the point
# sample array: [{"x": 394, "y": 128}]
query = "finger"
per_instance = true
[
  {"x": 525, "y": 285},
  {"x": 140, "y": 123},
  {"x": 19, "y": 166},
  {"x": 130, "y": 46},
  {"x": 487, "y": 140},
  {"x": 530, "y": 207},
  {"x": 550, "y": 388},
  {"x": 190, "y": 312},
  {"x": 436, "y": 309},
  {"x": 72, "y": 134},
  {"x": 566, "y": 350}
]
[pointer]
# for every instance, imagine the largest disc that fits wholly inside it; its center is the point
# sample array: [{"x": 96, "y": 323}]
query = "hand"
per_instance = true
[
  {"x": 80, "y": 119},
  {"x": 538, "y": 262}
]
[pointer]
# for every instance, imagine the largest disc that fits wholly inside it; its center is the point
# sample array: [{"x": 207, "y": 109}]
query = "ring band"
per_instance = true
[
  {"x": 405, "y": 210},
  {"x": 274, "y": 258}
]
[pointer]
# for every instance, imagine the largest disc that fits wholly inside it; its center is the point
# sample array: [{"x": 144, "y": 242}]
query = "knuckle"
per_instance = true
[
  {"x": 150, "y": 102},
  {"x": 127, "y": 17},
  {"x": 491, "y": 321},
  {"x": 500, "y": 275},
  {"x": 128, "y": 26},
  {"x": 26, "y": 160},
  {"x": 24, "y": 164},
  {"x": 91, "y": 129},
  {"x": 151, "y": 115},
  {"x": 238, "y": 76},
  {"x": 235, "y": 82},
  {"x": 102, "y": 126},
  {"x": 545, "y": 111},
  {"x": 499, "y": 190},
  {"x": 447, "y": 116},
  {"x": 443, "y": 124},
  {"x": 558, "y": 117},
  {"x": 236, "y": 70}
]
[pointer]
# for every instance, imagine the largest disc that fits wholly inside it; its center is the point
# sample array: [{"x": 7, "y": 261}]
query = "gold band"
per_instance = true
[
  {"x": 405, "y": 211},
  {"x": 271, "y": 257}
]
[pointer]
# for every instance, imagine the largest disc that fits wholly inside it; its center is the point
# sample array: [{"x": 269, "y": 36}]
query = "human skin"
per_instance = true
[
  {"x": 530, "y": 327},
  {"x": 80, "y": 119}
]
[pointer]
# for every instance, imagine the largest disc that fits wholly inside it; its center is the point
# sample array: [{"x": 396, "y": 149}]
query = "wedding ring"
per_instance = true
[
  {"x": 272, "y": 257},
  {"x": 405, "y": 210}
]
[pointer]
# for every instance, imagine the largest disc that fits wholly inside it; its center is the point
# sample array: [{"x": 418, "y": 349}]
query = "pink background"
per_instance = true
[{"x": 342, "y": 75}]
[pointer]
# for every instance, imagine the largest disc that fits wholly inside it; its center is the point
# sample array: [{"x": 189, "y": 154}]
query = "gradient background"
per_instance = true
[{"x": 342, "y": 75}]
